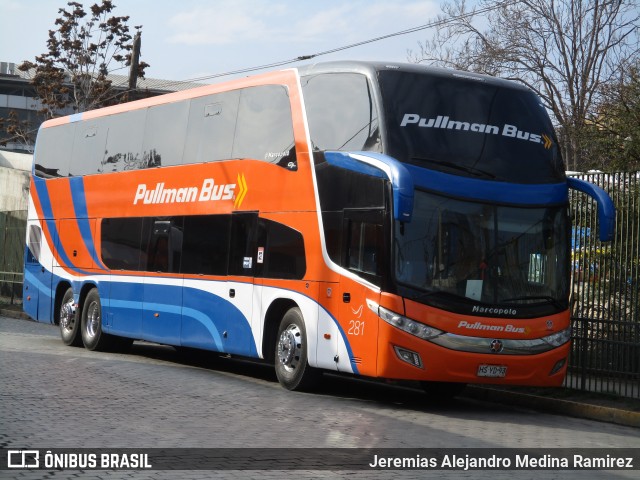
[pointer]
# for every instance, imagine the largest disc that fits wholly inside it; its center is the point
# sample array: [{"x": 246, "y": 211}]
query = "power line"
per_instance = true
[{"x": 433, "y": 24}]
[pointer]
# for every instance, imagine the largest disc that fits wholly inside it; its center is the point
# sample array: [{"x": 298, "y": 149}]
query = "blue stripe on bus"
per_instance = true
[
  {"x": 82, "y": 216},
  {"x": 35, "y": 282},
  {"x": 489, "y": 190},
  {"x": 47, "y": 215},
  {"x": 203, "y": 317},
  {"x": 206, "y": 321},
  {"x": 207, "y": 313}
]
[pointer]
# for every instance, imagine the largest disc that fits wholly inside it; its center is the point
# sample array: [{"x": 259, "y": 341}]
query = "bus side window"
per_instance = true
[
  {"x": 280, "y": 250},
  {"x": 34, "y": 244},
  {"x": 164, "y": 135},
  {"x": 211, "y": 125},
  {"x": 121, "y": 243},
  {"x": 88, "y": 147},
  {"x": 341, "y": 112},
  {"x": 242, "y": 251},
  {"x": 124, "y": 136},
  {"x": 53, "y": 154},
  {"x": 165, "y": 245},
  {"x": 364, "y": 237},
  {"x": 206, "y": 244},
  {"x": 265, "y": 129}
]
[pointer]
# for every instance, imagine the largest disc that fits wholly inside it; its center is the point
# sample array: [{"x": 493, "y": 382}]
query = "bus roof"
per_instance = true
[{"x": 370, "y": 68}]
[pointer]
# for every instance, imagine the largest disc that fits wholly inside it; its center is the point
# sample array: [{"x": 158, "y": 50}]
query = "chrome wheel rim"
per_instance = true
[
  {"x": 290, "y": 347},
  {"x": 93, "y": 319},
  {"x": 68, "y": 315}
]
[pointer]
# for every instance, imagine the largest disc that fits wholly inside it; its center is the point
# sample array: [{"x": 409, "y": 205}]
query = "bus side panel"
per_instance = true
[
  {"x": 212, "y": 322},
  {"x": 123, "y": 307},
  {"x": 32, "y": 283},
  {"x": 37, "y": 290},
  {"x": 30, "y": 290},
  {"x": 39, "y": 264},
  {"x": 161, "y": 310}
]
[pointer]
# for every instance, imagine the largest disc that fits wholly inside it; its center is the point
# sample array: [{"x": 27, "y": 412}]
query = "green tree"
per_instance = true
[
  {"x": 82, "y": 51},
  {"x": 566, "y": 51}
]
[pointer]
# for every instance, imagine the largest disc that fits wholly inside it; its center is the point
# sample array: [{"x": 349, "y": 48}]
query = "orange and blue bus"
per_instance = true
[{"x": 384, "y": 220}]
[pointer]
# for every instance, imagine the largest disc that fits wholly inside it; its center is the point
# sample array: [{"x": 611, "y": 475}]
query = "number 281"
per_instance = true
[{"x": 356, "y": 327}]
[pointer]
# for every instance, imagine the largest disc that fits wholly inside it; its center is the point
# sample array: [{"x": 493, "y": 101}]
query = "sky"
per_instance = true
[{"x": 189, "y": 39}]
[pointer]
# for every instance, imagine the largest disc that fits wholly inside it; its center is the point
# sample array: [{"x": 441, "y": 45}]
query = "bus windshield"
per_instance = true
[
  {"x": 466, "y": 126},
  {"x": 478, "y": 253}
]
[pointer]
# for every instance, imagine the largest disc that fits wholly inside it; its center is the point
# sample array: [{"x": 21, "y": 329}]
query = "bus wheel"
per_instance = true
[
  {"x": 442, "y": 391},
  {"x": 92, "y": 335},
  {"x": 292, "y": 369},
  {"x": 69, "y": 321}
]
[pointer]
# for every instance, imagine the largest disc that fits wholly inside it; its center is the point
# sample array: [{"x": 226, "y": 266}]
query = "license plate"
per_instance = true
[{"x": 493, "y": 371}]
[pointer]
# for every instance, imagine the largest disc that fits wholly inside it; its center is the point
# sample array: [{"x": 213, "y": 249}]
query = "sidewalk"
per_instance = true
[{"x": 561, "y": 401}]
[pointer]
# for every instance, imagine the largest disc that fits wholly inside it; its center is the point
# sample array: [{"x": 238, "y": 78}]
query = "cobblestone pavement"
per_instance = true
[{"x": 53, "y": 396}]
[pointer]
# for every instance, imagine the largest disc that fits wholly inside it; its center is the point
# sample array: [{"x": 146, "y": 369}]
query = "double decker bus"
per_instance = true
[{"x": 385, "y": 220}]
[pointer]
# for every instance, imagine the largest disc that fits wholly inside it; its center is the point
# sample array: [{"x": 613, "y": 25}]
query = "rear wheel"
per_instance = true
[
  {"x": 92, "y": 335},
  {"x": 69, "y": 321},
  {"x": 292, "y": 368}
]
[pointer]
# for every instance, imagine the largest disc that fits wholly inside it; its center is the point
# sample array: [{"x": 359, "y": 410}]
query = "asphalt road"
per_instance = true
[{"x": 53, "y": 396}]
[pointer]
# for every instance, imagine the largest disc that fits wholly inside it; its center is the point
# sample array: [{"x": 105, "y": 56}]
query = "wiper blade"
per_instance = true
[
  {"x": 548, "y": 298},
  {"x": 429, "y": 293},
  {"x": 454, "y": 166}
]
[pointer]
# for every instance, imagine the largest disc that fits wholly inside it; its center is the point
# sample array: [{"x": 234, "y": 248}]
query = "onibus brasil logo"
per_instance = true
[{"x": 209, "y": 191}]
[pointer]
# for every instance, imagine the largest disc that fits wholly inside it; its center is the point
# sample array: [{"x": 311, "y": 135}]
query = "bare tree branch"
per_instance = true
[
  {"x": 566, "y": 51},
  {"x": 81, "y": 52}
]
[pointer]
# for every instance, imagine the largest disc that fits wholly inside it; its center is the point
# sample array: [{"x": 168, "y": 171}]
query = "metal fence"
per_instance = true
[
  {"x": 605, "y": 287},
  {"x": 12, "y": 238}
]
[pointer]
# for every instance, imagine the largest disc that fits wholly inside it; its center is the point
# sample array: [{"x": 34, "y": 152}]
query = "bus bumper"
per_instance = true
[{"x": 405, "y": 357}]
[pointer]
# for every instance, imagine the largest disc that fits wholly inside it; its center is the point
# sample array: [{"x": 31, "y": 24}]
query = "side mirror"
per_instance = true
[{"x": 606, "y": 209}]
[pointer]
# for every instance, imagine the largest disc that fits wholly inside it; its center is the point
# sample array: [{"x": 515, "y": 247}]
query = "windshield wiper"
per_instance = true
[
  {"x": 453, "y": 166},
  {"x": 429, "y": 293},
  {"x": 548, "y": 298}
]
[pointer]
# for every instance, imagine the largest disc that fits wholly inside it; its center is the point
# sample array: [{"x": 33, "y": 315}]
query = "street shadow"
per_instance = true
[{"x": 407, "y": 395}]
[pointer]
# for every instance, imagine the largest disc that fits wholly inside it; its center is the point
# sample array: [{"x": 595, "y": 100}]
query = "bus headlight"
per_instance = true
[
  {"x": 407, "y": 325},
  {"x": 559, "y": 338}
]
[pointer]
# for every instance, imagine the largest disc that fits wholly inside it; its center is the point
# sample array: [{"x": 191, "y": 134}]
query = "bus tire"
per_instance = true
[
  {"x": 69, "y": 321},
  {"x": 93, "y": 337},
  {"x": 291, "y": 359}
]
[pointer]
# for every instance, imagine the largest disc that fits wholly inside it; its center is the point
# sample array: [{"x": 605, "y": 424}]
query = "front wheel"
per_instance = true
[
  {"x": 69, "y": 321},
  {"x": 292, "y": 368}
]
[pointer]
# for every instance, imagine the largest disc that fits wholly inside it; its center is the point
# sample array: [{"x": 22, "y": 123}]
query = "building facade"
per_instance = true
[{"x": 17, "y": 95}]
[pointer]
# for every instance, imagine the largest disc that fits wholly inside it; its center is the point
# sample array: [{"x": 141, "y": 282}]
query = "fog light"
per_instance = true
[
  {"x": 558, "y": 366},
  {"x": 408, "y": 356}
]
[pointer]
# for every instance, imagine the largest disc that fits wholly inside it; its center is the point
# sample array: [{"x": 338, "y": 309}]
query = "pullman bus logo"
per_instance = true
[
  {"x": 209, "y": 191},
  {"x": 445, "y": 123}
]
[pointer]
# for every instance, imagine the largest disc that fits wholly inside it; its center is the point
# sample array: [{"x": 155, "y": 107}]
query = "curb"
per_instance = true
[
  {"x": 555, "y": 405},
  {"x": 14, "y": 314}
]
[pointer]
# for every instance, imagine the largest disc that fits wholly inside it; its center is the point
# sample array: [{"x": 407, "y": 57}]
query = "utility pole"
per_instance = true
[{"x": 135, "y": 59}]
